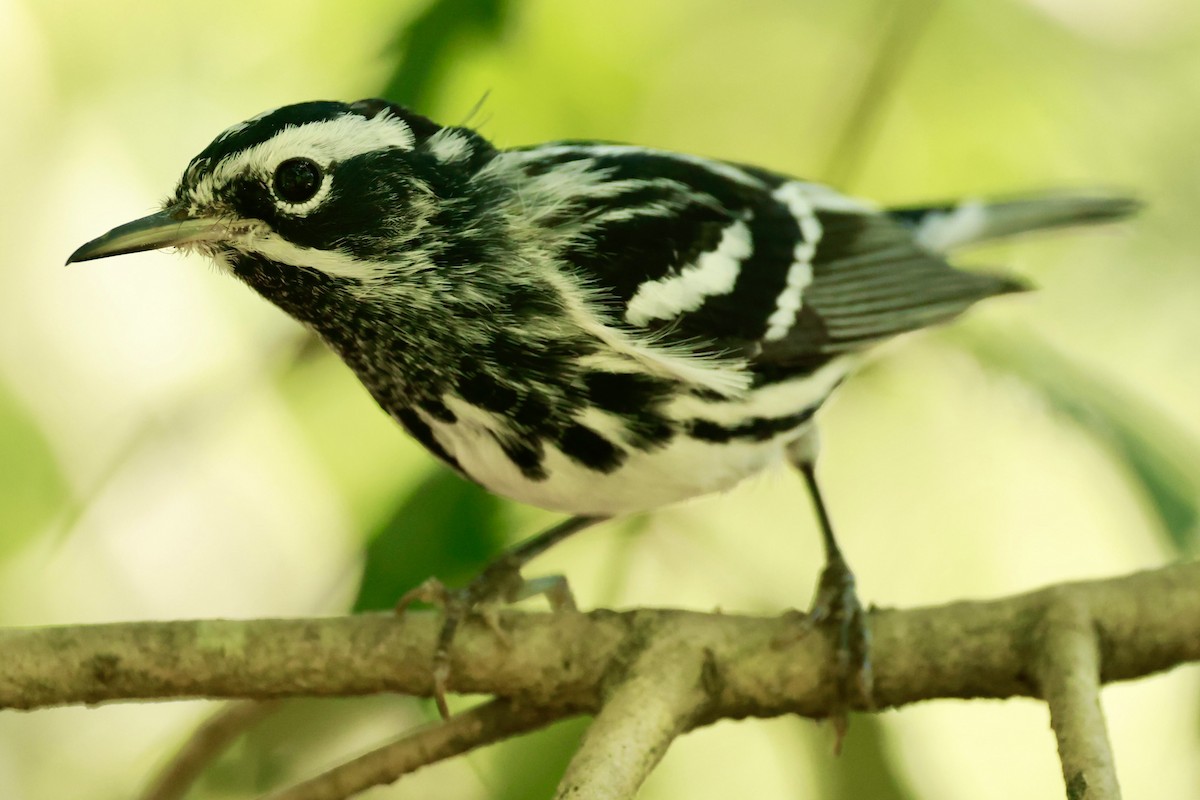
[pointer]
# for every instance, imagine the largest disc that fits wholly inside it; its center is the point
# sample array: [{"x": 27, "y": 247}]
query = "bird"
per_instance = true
[{"x": 594, "y": 328}]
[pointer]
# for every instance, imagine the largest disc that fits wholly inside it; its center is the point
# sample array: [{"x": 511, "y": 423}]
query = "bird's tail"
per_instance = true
[{"x": 941, "y": 227}]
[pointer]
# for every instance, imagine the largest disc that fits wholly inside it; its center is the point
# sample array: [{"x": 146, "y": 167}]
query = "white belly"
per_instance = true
[{"x": 684, "y": 467}]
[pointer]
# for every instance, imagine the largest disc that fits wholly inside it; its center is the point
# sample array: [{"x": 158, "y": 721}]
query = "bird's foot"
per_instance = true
[
  {"x": 499, "y": 584},
  {"x": 837, "y": 610}
]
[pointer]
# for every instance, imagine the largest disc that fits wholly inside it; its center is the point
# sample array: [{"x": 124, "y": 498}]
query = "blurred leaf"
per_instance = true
[
  {"x": 532, "y": 765},
  {"x": 446, "y": 527},
  {"x": 424, "y": 45},
  {"x": 1162, "y": 457},
  {"x": 31, "y": 486}
]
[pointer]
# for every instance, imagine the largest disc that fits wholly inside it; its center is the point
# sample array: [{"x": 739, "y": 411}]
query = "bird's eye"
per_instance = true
[{"x": 297, "y": 180}]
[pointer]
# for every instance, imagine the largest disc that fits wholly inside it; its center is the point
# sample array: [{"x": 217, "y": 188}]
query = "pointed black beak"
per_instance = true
[{"x": 167, "y": 228}]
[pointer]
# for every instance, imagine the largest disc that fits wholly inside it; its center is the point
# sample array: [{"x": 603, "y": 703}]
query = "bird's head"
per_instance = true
[{"x": 347, "y": 190}]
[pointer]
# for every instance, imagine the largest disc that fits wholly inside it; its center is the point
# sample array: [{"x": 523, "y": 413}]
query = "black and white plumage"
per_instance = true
[{"x": 594, "y": 328}]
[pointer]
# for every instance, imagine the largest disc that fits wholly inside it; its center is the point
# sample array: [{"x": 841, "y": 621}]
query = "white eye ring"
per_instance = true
[{"x": 299, "y": 184}]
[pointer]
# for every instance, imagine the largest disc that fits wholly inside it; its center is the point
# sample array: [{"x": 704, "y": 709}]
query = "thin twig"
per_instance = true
[
  {"x": 480, "y": 726},
  {"x": 1068, "y": 672},
  {"x": 204, "y": 746}
]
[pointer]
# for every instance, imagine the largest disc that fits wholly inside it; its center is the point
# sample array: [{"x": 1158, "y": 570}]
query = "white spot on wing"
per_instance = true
[
  {"x": 726, "y": 376},
  {"x": 796, "y": 197},
  {"x": 713, "y": 274},
  {"x": 940, "y": 231},
  {"x": 774, "y": 400}
]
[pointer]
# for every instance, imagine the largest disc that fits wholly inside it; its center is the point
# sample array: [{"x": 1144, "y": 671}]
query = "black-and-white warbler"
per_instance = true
[{"x": 592, "y": 328}]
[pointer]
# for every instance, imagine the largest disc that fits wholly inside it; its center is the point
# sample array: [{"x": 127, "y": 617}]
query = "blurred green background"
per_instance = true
[{"x": 170, "y": 446}]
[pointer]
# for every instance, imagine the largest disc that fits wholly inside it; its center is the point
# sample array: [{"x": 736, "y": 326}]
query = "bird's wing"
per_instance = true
[{"x": 787, "y": 273}]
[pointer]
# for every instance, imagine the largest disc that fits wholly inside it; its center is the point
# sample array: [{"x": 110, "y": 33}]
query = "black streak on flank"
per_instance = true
[
  {"x": 758, "y": 429},
  {"x": 623, "y": 392},
  {"x": 417, "y": 428},
  {"x": 437, "y": 409},
  {"x": 530, "y": 411},
  {"x": 584, "y": 446},
  {"x": 648, "y": 431},
  {"x": 634, "y": 397},
  {"x": 482, "y": 390},
  {"x": 526, "y": 455}
]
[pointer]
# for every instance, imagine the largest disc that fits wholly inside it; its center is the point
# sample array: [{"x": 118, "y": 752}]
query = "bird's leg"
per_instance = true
[
  {"x": 499, "y": 582},
  {"x": 836, "y": 602}
]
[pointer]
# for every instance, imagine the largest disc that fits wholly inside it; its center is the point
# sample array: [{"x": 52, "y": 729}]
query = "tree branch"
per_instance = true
[
  {"x": 1145, "y": 623},
  {"x": 648, "y": 674},
  {"x": 651, "y": 701},
  {"x": 482, "y": 725},
  {"x": 1068, "y": 671}
]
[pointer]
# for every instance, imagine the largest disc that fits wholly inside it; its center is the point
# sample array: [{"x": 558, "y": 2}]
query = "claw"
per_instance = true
[
  {"x": 441, "y": 677},
  {"x": 499, "y": 583},
  {"x": 836, "y": 605},
  {"x": 454, "y": 604},
  {"x": 430, "y": 591},
  {"x": 837, "y": 610}
]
